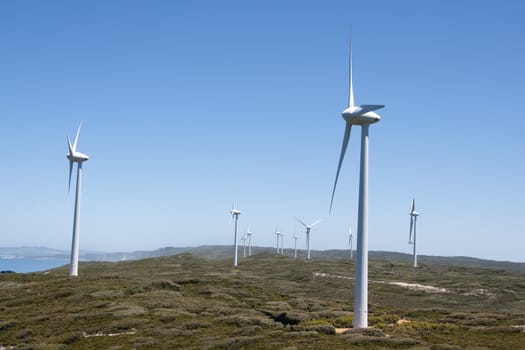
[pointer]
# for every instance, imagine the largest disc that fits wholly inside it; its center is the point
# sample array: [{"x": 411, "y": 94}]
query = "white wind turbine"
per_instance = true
[
  {"x": 235, "y": 216},
  {"x": 243, "y": 239},
  {"x": 363, "y": 116},
  {"x": 295, "y": 245},
  {"x": 413, "y": 218},
  {"x": 308, "y": 228},
  {"x": 350, "y": 241},
  {"x": 249, "y": 235},
  {"x": 277, "y": 235},
  {"x": 79, "y": 158}
]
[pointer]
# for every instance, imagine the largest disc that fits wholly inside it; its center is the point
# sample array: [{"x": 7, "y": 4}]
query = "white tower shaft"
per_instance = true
[
  {"x": 295, "y": 248},
  {"x": 250, "y": 245},
  {"x": 73, "y": 266},
  {"x": 235, "y": 242},
  {"x": 307, "y": 244},
  {"x": 351, "y": 248},
  {"x": 361, "y": 283},
  {"x": 414, "y": 242}
]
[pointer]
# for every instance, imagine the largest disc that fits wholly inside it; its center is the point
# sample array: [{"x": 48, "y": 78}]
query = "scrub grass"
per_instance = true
[{"x": 268, "y": 302}]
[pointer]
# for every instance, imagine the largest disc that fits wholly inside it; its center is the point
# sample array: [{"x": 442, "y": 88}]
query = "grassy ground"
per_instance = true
[{"x": 268, "y": 302}]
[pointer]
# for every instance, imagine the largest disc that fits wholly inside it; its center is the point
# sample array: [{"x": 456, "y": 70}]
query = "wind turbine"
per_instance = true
[
  {"x": 350, "y": 242},
  {"x": 243, "y": 239},
  {"x": 413, "y": 219},
  {"x": 282, "y": 243},
  {"x": 79, "y": 158},
  {"x": 235, "y": 216},
  {"x": 363, "y": 116},
  {"x": 308, "y": 228},
  {"x": 249, "y": 234},
  {"x": 295, "y": 245},
  {"x": 277, "y": 235}
]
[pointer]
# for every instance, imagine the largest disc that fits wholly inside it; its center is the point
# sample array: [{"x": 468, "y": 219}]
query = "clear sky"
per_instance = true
[{"x": 189, "y": 105}]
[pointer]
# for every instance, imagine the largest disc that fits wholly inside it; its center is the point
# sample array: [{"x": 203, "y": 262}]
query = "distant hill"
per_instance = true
[
  {"x": 31, "y": 252},
  {"x": 221, "y": 251}
]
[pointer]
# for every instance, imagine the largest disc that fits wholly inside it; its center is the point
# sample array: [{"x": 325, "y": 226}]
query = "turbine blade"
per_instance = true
[
  {"x": 413, "y": 204},
  {"x": 369, "y": 108},
  {"x": 70, "y": 148},
  {"x": 351, "y": 90},
  {"x": 302, "y": 223},
  {"x": 346, "y": 138},
  {"x": 315, "y": 223},
  {"x": 76, "y": 137},
  {"x": 70, "y": 172}
]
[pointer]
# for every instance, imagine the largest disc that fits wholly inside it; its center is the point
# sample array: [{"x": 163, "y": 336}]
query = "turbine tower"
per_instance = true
[
  {"x": 295, "y": 245},
  {"x": 249, "y": 234},
  {"x": 350, "y": 242},
  {"x": 413, "y": 219},
  {"x": 282, "y": 243},
  {"x": 277, "y": 235},
  {"x": 308, "y": 228},
  {"x": 243, "y": 239},
  {"x": 235, "y": 216},
  {"x": 79, "y": 158},
  {"x": 363, "y": 116}
]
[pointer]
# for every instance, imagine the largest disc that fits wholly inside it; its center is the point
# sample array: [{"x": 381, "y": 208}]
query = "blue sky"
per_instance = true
[{"x": 188, "y": 106}]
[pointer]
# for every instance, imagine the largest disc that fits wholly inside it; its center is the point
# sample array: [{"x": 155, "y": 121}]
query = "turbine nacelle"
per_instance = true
[
  {"x": 234, "y": 212},
  {"x": 362, "y": 115},
  {"x": 77, "y": 157}
]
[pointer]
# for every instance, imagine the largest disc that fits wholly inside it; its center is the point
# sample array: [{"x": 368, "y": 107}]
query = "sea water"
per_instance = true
[{"x": 24, "y": 265}]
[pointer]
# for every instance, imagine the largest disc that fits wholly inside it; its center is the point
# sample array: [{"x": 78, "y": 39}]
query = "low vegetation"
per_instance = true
[{"x": 268, "y": 302}]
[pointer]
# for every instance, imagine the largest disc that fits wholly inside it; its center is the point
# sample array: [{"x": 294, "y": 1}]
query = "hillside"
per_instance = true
[
  {"x": 268, "y": 302},
  {"x": 223, "y": 252}
]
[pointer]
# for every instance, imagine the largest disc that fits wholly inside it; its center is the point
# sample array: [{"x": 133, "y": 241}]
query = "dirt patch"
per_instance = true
[{"x": 342, "y": 330}]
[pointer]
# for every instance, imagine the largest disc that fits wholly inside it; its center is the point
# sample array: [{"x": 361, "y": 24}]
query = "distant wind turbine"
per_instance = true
[
  {"x": 282, "y": 243},
  {"x": 277, "y": 235},
  {"x": 243, "y": 239},
  {"x": 308, "y": 228},
  {"x": 249, "y": 234},
  {"x": 413, "y": 219},
  {"x": 295, "y": 245},
  {"x": 79, "y": 158},
  {"x": 363, "y": 115},
  {"x": 235, "y": 216}
]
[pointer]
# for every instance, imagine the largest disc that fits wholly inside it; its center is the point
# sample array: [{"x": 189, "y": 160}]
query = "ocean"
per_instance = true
[{"x": 22, "y": 265}]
